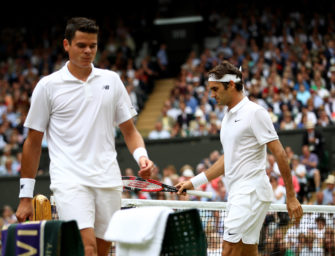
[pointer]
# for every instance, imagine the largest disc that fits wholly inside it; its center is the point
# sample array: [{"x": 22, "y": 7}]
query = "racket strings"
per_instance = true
[{"x": 143, "y": 185}]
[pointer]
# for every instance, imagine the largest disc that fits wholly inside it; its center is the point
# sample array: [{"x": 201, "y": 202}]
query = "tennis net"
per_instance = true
[{"x": 313, "y": 235}]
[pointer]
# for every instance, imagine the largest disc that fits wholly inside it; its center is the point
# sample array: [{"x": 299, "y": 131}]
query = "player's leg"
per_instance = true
[
  {"x": 107, "y": 202},
  {"x": 239, "y": 249},
  {"x": 76, "y": 202},
  {"x": 246, "y": 214},
  {"x": 90, "y": 244},
  {"x": 234, "y": 249},
  {"x": 103, "y": 247},
  {"x": 250, "y": 250}
]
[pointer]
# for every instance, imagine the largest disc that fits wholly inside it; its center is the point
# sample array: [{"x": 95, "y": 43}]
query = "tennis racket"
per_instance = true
[{"x": 149, "y": 185}]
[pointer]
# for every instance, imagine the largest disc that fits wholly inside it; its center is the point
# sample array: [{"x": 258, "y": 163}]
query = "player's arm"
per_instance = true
[
  {"x": 211, "y": 173},
  {"x": 29, "y": 165},
  {"x": 293, "y": 205},
  {"x": 136, "y": 146}
]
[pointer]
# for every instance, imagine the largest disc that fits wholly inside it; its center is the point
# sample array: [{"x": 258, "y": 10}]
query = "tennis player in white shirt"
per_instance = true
[
  {"x": 246, "y": 133},
  {"x": 78, "y": 108}
]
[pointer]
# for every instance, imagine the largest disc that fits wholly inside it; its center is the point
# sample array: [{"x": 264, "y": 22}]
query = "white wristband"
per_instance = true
[
  {"x": 27, "y": 187},
  {"x": 198, "y": 180},
  {"x": 138, "y": 153}
]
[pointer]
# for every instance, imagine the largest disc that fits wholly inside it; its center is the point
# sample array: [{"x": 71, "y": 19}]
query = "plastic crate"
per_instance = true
[{"x": 184, "y": 235}]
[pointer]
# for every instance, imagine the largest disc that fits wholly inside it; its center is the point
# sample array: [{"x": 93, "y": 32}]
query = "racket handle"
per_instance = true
[{"x": 199, "y": 193}]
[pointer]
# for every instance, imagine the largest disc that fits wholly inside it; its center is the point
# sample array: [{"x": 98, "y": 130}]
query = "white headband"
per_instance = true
[{"x": 225, "y": 79}]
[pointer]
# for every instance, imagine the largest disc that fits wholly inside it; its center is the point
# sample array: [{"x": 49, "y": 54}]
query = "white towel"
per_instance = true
[{"x": 138, "y": 231}]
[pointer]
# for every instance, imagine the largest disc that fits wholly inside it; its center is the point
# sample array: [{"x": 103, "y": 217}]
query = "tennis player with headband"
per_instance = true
[
  {"x": 246, "y": 133},
  {"x": 78, "y": 107}
]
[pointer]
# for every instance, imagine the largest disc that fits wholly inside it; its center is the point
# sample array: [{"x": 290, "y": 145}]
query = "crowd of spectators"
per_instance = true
[{"x": 288, "y": 66}]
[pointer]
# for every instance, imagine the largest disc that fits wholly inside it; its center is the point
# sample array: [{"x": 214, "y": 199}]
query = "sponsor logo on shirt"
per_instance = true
[{"x": 105, "y": 87}]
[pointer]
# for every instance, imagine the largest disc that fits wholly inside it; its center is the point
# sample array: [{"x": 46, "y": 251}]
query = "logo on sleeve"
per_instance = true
[
  {"x": 237, "y": 120},
  {"x": 22, "y": 186},
  {"x": 105, "y": 87}
]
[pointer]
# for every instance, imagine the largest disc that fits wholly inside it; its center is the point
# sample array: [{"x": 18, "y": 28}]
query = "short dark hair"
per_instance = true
[
  {"x": 80, "y": 24},
  {"x": 224, "y": 68}
]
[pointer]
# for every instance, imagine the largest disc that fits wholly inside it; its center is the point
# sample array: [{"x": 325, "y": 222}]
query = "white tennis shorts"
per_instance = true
[
  {"x": 90, "y": 207},
  {"x": 246, "y": 214}
]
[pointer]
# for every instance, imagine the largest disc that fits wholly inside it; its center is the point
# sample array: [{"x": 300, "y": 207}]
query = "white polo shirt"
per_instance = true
[
  {"x": 79, "y": 120},
  {"x": 245, "y": 130}
]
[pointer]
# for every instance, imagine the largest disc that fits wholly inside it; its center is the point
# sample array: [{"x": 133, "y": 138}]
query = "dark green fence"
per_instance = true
[{"x": 178, "y": 151}]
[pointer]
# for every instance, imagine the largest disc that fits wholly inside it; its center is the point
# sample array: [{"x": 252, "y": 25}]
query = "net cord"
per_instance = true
[{"x": 216, "y": 205}]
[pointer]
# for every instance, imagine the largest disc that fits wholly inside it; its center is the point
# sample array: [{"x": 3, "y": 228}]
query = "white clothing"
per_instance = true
[
  {"x": 89, "y": 207},
  {"x": 138, "y": 231},
  {"x": 301, "y": 170},
  {"x": 245, "y": 130},
  {"x": 280, "y": 190},
  {"x": 163, "y": 134},
  {"x": 79, "y": 119},
  {"x": 245, "y": 218},
  {"x": 310, "y": 117}
]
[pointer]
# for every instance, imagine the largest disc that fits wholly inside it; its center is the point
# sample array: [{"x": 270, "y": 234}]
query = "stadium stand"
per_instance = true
[{"x": 287, "y": 56}]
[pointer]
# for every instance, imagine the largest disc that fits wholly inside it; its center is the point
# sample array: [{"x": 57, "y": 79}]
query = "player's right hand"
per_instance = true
[
  {"x": 25, "y": 210},
  {"x": 184, "y": 185}
]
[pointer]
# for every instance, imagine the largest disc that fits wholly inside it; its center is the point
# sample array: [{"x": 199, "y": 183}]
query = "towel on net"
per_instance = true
[{"x": 138, "y": 231}]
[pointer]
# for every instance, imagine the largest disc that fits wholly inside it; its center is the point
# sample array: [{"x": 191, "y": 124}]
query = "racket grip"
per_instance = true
[{"x": 199, "y": 193}]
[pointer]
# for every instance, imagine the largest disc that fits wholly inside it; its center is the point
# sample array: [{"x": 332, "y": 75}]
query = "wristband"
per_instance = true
[
  {"x": 27, "y": 187},
  {"x": 198, "y": 180},
  {"x": 140, "y": 152}
]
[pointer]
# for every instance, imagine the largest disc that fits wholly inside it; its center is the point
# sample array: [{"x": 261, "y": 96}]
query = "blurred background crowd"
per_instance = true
[{"x": 287, "y": 58}]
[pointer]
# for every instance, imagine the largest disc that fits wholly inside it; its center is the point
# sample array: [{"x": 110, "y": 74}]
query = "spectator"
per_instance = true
[
  {"x": 303, "y": 95},
  {"x": 310, "y": 160},
  {"x": 313, "y": 139},
  {"x": 200, "y": 130},
  {"x": 159, "y": 132},
  {"x": 310, "y": 246},
  {"x": 168, "y": 171},
  {"x": 328, "y": 191},
  {"x": 278, "y": 191},
  {"x": 310, "y": 116},
  {"x": 329, "y": 104},
  {"x": 318, "y": 198},
  {"x": 166, "y": 120},
  {"x": 162, "y": 60},
  {"x": 8, "y": 215},
  {"x": 328, "y": 242},
  {"x": 324, "y": 120},
  {"x": 299, "y": 171},
  {"x": 320, "y": 230},
  {"x": 185, "y": 117},
  {"x": 287, "y": 123},
  {"x": 272, "y": 168}
]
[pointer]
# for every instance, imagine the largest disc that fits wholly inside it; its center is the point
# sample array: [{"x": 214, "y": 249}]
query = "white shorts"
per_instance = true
[
  {"x": 90, "y": 207},
  {"x": 245, "y": 218}
]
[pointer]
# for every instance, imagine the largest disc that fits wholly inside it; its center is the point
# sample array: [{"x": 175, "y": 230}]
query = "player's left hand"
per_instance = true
[
  {"x": 146, "y": 166},
  {"x": 294, "y": 209}
]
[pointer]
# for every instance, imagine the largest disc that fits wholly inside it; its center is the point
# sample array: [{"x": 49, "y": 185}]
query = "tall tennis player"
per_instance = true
[
  {"x": 78, "y": 107},
  {"x": 246, "y": 133}
]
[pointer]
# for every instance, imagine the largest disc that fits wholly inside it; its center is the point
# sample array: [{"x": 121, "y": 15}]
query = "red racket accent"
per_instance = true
[
  {"x": 140, "y": 184},
  {"x": 134, "y": 183}
]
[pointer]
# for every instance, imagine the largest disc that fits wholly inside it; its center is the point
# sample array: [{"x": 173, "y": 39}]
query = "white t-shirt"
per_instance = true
[
  {"x": 245, "y": 130},
  {"x": 280, "y": 190},
  {"x": 79, "y": 120}
]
